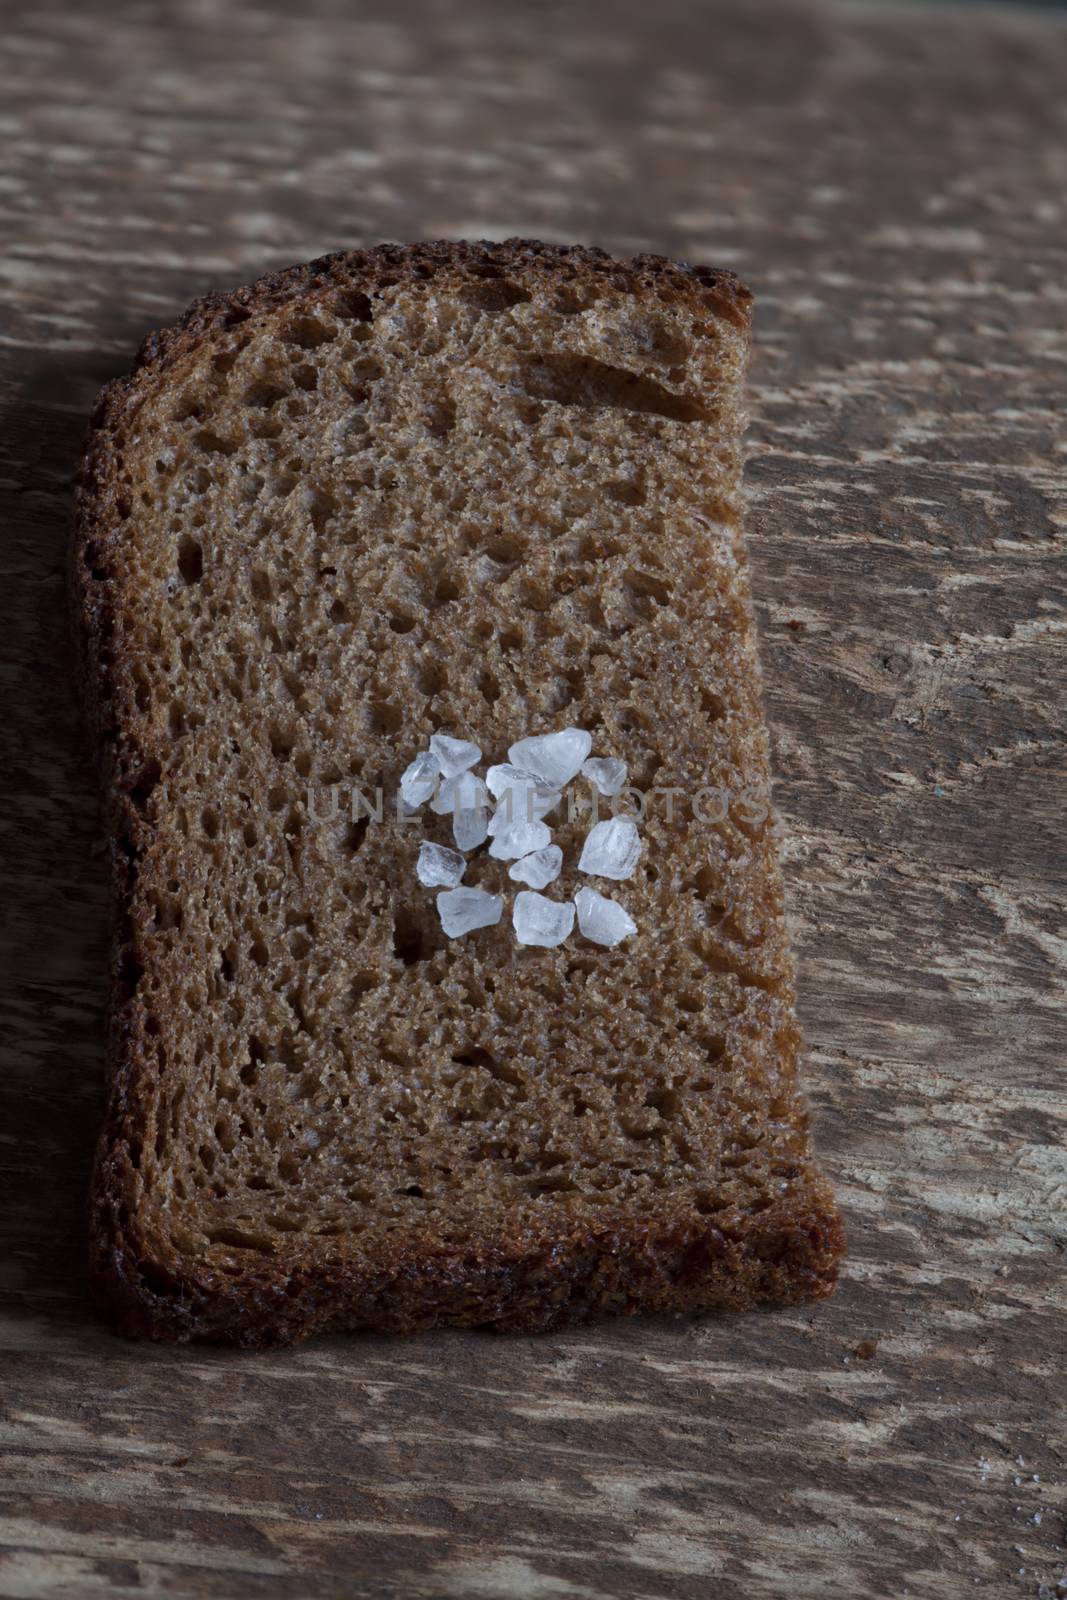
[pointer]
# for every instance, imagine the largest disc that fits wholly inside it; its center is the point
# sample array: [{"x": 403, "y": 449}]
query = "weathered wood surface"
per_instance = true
[{"x": 892, "y": 183}]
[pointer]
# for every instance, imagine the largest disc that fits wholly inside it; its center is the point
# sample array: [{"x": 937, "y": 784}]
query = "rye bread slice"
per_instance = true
[{"x": 493, "y": 489}]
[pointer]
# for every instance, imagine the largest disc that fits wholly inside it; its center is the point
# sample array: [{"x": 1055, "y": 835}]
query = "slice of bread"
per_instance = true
[{"x": 494, "y": 490}]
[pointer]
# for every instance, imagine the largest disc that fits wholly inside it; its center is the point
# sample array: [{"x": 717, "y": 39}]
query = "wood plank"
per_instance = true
[{"x": 891, "y": 182}]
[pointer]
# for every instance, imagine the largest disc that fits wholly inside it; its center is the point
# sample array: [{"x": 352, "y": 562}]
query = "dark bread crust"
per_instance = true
[{"x": 530, "y": 1277}]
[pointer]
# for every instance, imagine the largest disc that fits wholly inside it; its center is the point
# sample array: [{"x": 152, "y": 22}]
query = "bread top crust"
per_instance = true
[{"x": 712, "y": 289}]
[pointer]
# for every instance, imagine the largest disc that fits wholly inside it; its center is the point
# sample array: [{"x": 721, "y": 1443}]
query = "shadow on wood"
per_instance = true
[{"x": 53, "y": 949}]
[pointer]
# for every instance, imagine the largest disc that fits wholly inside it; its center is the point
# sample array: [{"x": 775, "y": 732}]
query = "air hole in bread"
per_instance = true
[
  {"x": 489, "y": 687},
  {"x": 494, "y": 294},
  {"x": 264, "y": 393},
  {"x": 506, "y": 550},
  {"x": 145, "y": 784},
  {"x": 352, "y": 303},
  {"x": 189, "y": 405},
  {"x": 356, "y": 834},
  {"x": 190, "y": 560},
  {"x": 237, "y": 1239},
  {"x": 582, "y": 381},
  {"x": 409, "y": 943},
  {"x": 441, "y": 418},
  {"x": 572, "y": 300},
  {"x": 386, "y": 717},
  {"x": 213, "y": 443},
  {"x": 712, "y": 704},
  {"x": 283, "y": 738},
  {"x": 307, "y": 332},
  {"x": 430, "y": 676},
  {"x": 646, "y": 586}
]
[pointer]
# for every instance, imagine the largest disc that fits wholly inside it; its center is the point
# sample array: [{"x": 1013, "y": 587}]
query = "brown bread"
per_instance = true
[{"x": 493, "y": 489}]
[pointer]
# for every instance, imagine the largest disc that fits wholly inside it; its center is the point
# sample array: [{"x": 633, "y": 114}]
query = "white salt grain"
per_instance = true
[
  {"x": 602, "y": 920},
  {"x": 611, "y": 849},
  {"x": 607, "y": 773},
  {"x": 463, "y": 910},
  {"x": 438, "y": 866},
  {"x": 419, "y": 780},
  {"x": 463, "y": 792},
  {"x": 504, "y": 776},
  {"x": 538, "y": 920},
  {"x": 538, "y": 869},
  {"x": 523, "y": 796},
  {"x": 519, "y": 839},
  {"x": 555, "y": 757},
  {"x": 453, "y": 755},
  {"x": 469, "y": 828},
  {"x": 510, "y": 810},
  {"x": 513, "y": 808}
]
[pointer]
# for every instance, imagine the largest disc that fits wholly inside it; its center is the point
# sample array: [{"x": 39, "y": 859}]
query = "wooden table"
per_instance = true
[{"x": 892, "y": 183}]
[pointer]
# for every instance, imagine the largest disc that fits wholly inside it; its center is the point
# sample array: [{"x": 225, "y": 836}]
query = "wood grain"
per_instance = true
[{"x": 891, "y": 183}]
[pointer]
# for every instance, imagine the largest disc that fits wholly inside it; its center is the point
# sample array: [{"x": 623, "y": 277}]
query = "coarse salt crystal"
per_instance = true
[
  {"x": 602, "y": 920},
  {"x": 503, "y": 776},
  {"x": 470, "y": 827},
  {"x": 607, "y": 773},
  {"x": 522, "y": 796},
  {"x": 555, "y": 757},
  {"x": 419, "y": 780},
  {"x": 513, "y": 808},
  {"x": 538, "y": 920},
  {"x": 463, "y": 910},
  {"x": 611, "y": 849},
  {"x": 463, "y": 792},
  {"x": 438, "y": 866},
  {"x": 519, "y": 839},
  {"x": 539, "y": 868},
  {"x": 453, "y": 755}
]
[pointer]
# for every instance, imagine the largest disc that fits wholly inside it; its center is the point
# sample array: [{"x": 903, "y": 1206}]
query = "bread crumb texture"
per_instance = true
[{"x": 493, "y": 489}]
